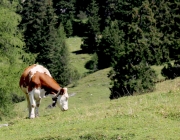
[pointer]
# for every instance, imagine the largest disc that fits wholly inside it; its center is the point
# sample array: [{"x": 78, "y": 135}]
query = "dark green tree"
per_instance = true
[
  {"x": 167, "y": 18},
  {"x": 80, "y": 18},
  {"x": 60, "y": 66},
  {"x": 69, "y": 28},
  {"x": 81, "y": 6},
  {"x": 134, "y": 79},
  {"x": 38, "y": 20},
  {"x": 91, "y": 40},
  {"x": 48, "y": 39},
  {"x": 111, "y": 45},
  {"x": 65, "y": 10},
  {"x": 164, "y": 23},
  {"x": 142, "y": 48},
  {"x": 175, "y": 6}
]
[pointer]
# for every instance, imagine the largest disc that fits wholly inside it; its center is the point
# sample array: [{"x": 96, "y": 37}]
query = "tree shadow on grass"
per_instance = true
[{"x": 80, "y": 52}]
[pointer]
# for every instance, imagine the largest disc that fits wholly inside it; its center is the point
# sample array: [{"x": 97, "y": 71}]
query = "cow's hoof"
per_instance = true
[{"x": 32, "y": 117}]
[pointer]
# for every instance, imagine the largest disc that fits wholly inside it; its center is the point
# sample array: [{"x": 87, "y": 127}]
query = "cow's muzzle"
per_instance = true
[{"x": 63, "y": 109}]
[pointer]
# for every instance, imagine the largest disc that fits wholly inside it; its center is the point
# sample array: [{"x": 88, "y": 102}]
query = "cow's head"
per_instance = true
[{"x": 62, "y": 99}]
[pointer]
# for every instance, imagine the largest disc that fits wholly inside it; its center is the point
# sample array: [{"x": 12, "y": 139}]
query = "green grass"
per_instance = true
[
  {"x": 92, "y": 116},
  {"x": 77, "y": 60},
  {"x": 148, "y": 116},
  {"x": 158, "y": 71}
]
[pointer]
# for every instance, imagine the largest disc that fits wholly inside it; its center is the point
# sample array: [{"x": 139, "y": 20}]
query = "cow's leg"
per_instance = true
[
  {"x": 32, "y": 105},
  {"x": 38, "y": 102},
  {"x": 28, "y": 103},
  {"x": 54, "y": 101}
]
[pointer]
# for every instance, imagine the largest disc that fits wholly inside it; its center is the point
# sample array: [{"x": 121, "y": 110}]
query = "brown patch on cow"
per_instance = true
[
  {"x": 24, "y": 80},
  {"x": 44, "y": 81},
  {"x": 61, "y": 91}
]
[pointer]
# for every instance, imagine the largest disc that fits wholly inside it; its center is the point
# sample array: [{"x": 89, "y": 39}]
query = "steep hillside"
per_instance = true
[{"x": 92, "y": 116}]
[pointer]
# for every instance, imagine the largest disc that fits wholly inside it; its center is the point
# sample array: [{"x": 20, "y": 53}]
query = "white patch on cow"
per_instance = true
[
  {"x": 62, "y": 100},
  {"x": 35, "y": 97},
  {"x": 40, "y": 69},
  {"x": 39, "y": 93}
]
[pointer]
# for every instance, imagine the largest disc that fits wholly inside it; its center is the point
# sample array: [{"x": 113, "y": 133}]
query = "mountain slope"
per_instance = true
[{"x": 92, "y": 116}]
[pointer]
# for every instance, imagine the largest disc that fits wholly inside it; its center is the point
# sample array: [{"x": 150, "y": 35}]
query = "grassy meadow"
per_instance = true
[{"x": 92, "y": 116}]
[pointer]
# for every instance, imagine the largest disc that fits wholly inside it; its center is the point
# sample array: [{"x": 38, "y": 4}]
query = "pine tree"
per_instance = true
[
  {"x": 168, "y": 21},
  {"x": 65, "y": 10},
  {"x": 111, "y": 45},
  {"x": 38, "y": 19},
  {"x": 48, "y": 40},
  {"x": 164, "y": 21},
  {"x": 60, "y": 67},
  {"x": 91, "y": 40},
  {"x": 69, "y": 28},
  {"x": 128, "y": 79},
  {"x": 81, "y": 5},
  {"x": 142, "y": 48},
  {"x": 38, "y": 23}
]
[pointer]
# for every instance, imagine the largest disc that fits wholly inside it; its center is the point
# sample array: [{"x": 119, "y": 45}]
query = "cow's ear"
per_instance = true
[{"x": 61, "y": 91}]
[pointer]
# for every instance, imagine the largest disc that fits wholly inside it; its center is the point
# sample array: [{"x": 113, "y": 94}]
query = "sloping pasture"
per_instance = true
[{"x": 92, "y": 116}]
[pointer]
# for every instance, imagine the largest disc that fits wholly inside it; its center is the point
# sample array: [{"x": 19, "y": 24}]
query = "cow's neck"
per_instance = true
[
  {"x": 52, "y": 91},
  {"x": 49, "y": 84}
]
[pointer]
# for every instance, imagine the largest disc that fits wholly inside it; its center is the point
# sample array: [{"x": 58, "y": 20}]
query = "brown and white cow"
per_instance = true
[{"x": 36, "y": 82}]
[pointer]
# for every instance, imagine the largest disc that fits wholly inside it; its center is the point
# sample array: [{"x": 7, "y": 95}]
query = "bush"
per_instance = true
[
  {"x": 130, "y": 79},
  {"x": 16, "y": 98},
  {"x": 92, "y": 64},
  {"x": 171, "y": 71}
]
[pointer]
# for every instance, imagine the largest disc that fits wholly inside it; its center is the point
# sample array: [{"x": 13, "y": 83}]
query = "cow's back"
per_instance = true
[{"x": 25, "y": 77}]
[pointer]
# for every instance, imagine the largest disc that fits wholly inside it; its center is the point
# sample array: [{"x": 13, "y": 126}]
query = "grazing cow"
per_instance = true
[{"x": 36, "y": 82}]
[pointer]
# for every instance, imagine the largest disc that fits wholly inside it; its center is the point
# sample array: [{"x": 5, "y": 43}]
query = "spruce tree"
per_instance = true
[
  {"x": 81, "y": 5},
  {"x": 38, "y": 23},
  {"x": 60, "y": 66},
  {"x": 175, "y": 6},
  {"x": 142, "y": 48},
  {"x": 164, "y": 22},
  {"x": 69, "y": 28},
  {"x": 48, "y": 40},
  {"x": 91, "y": 40},
  {"x": 111, "y": 45},
  {"x": 65, "y": 11},
  {"x": 168, "y": 21},
  {"x": 38, "y": 20}
]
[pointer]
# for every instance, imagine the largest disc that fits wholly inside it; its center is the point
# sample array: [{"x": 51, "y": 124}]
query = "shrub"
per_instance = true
[
  {"x": 16, "y": 98},
  {"x": 171, "y": 71},
  {"x": 92, "y": 64},
  {"x": 131, "y": 79}
]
